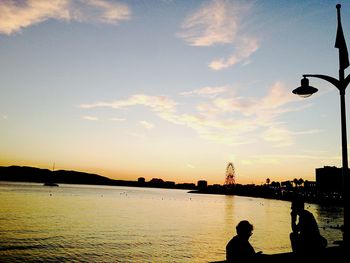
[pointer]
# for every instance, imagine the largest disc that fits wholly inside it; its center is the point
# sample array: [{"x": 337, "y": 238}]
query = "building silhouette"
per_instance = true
[
  {"x": 202, "y": 184},
  {"x": 141, "y": 180},
  {"x": 329, "y": 179}
]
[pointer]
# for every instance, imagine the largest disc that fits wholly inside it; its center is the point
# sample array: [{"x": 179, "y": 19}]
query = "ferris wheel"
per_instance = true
[{"x": 230, "y": 174}]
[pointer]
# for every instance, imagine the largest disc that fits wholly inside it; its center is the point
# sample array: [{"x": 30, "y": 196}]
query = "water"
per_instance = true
[{"x": 79, "y": 223}]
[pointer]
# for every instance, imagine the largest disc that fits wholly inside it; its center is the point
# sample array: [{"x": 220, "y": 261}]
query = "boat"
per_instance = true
[{"x": 50, "y": 181}]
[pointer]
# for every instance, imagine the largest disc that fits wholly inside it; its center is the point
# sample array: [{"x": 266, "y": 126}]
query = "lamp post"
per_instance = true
[{"x": 305, "y": 90}]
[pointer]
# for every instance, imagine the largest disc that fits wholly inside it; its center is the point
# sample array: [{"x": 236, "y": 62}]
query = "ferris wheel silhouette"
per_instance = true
[{"x": 230, "y": 178}]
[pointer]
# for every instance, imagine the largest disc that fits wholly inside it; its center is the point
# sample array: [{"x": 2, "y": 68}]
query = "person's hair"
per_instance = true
[
  {"x": 244, "y": 227},
  {"x": 298, "y": 203}
]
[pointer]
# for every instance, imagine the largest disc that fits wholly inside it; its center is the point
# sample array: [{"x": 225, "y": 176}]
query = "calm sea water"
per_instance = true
[{"x": 79, "y": 223}]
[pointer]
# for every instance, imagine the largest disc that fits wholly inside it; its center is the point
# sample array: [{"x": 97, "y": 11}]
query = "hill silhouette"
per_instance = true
[{"x": 37, "y": 175}]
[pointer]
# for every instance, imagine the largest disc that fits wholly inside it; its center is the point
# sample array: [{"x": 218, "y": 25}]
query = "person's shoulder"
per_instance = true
[
  {"x": 232, "y": 241},
  {"x": 307, "y": 213},
  {"x": 307, "y": 216}
]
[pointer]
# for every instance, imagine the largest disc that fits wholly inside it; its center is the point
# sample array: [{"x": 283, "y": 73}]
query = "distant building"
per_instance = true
[
  {"x": 141, "y": 180},
  {"x": 309, "y": 184},
  {"x": 202, "y": 184},
  {"x": 169, "y": 184},
  {"x": 156, "y": 181},
  {"x": 329, "y": 179},
  {"x": 216, "y": 187}
]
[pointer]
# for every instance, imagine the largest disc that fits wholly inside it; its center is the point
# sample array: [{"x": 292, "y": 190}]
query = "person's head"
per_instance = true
[
  {"x": 244, "y": 229},
  {"x": 297, "y": 205}
]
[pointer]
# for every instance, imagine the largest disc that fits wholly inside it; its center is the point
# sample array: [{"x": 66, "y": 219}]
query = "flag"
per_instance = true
[{"x": 343, "y": 50}]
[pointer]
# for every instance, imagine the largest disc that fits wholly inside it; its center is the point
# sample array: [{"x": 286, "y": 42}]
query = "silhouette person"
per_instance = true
[
  {"x": 238, "y": 249},
  {"x": 305, "y": 237}
]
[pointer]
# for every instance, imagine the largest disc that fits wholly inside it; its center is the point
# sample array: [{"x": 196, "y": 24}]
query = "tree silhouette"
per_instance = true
[
  {"x": 295, "y": 181},
  {"x": 300, "y": 181}
]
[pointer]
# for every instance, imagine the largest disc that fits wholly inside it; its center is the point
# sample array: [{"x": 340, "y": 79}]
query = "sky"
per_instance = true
[{"x": 170, "y": 89}]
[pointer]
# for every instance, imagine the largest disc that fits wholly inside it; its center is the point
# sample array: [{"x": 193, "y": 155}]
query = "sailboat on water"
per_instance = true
[{"x": 50, "y": 182}]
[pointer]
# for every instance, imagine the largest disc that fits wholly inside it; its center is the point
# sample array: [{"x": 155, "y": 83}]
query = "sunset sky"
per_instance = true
[{"x": 170, "y": 89}]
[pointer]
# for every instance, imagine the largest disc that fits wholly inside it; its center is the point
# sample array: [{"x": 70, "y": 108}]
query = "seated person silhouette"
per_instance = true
[
  {"x": 305, "y": 238},
  {"x": 239, "y": 249}
]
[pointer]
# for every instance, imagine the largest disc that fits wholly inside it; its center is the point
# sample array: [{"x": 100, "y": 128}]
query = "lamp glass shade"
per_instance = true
[{"x": 305, "y": 90}]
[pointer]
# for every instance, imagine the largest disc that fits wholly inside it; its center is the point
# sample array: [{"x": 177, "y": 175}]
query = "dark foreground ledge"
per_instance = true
[{"x": 335, "y": 253}]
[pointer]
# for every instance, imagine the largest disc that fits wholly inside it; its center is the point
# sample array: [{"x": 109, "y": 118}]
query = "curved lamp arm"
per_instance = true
[
  {"x": 332, "y": 80},
  {"x": 346, "y": 81}
]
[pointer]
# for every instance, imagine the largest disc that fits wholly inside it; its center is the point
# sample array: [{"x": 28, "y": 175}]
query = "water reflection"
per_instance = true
[
  {"x": 229, "y": 211},
  {"x": 330, "y": 219},
  {"x": 104, "y": 223}
]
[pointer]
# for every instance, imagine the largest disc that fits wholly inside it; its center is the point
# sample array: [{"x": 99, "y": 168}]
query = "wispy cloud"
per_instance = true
[
  {"x": 206, "y": 91},
  {"x": 117, "y": 119},
  {"x": 190, "y": 166},
  {"x": 243, "y": 49},
  {"x": 271, "y": 103},
  {"x": 219, "y": 22},
  {"x": 215, "y": 22},
  {"x": 156, "y": 103},
  {"x": 275, "y": 159},
  {"x": 19, "y": 14},
  {"x": 90, "y": 118},
  {"x": 281, "y": 136},
  {"x": 250, "y": 119},
  {"x": 147, "y": 125}
]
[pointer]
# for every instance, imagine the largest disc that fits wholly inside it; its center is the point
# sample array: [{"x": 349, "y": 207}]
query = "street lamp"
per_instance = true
[{"x": 305, "y": 90}]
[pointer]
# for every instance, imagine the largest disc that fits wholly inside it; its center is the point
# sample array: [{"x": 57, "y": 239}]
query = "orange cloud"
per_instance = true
[
  {"x": 16, "y": 15},
  {"x": 250, "y": 119}
]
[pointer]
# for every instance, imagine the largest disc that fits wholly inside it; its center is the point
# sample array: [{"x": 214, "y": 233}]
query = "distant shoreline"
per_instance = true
[
  {"x": 273, "y": 194},
  {"x": 37, "y": 175}
]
